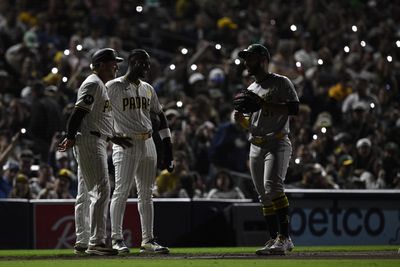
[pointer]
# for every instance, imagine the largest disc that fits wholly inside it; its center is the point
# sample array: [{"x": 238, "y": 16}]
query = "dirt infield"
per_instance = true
[{"x": 239, "y": 256}]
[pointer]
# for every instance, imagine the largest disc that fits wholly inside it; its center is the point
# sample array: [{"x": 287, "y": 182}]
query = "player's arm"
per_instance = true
[
  {"x": 165, "y": 135},
  {"x": 73, "y": 125}
]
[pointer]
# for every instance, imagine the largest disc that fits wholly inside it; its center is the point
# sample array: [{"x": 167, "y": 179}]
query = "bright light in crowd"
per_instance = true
[
  {"x": 139, "y": 9},
  {"x": 389, "y": 58},
  {"x": 398, "y": 43},
  {"x": 79, "y": 47},
  {"x": 315, "y": 137},
  {"x": 323, "y": 130},
  {"x": 298, "y": 64},
  {"x": 320, "y": 62},
  {"x": 65, "y": 79},
  {"x": 237, "y": 61},
  {"x": 354, "y": 28},
  {"x": 179, "y": 104},
  {"x": 363, "y": 44},
  {"x": 172, "y": 66},
  {"x": 184, "y": 51},
  {"x": 66, "y": 52},
  {"x": 54, "y": 70},
  {"x": 23, "y": 130},
  {"x": 297, "y": 161},
  {"x": 346, "y": 49},
  {"x": 193, "y": 67},
  {"x": 272, "y": 22},
  {"x": 293, "y": 28},
  {"x": 218, "y": 46},
  {"x": 372, "y": 105}
]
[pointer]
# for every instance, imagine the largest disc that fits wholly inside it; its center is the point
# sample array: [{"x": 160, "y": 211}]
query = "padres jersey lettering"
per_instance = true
[
  {"x": 132, "y": 104},
  {"x": 107, "y": 106},
  {"x": 135, "y": 102}
]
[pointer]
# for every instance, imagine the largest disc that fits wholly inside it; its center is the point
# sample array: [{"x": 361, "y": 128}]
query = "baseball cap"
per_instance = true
[
  {"x": 345, "y": 160},
  {"x": 363, "y": 142},
  {"x": 65, "y": 173},
  {"x": 138, "y": 52},
  {"x": 31, "y": 39},
  {"x": 105, "y": 55},
  {"x": 359, "y": 106},
  {"x": 27, "y": 153},
  {"x": 257, "y": 49},
  {"x": 196, "y": 77}
]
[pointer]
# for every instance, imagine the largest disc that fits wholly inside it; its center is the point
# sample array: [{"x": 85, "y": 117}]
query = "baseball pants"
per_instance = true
[
  {"x": 93, "y": 190},
  {"x": 134, "y": 165}
]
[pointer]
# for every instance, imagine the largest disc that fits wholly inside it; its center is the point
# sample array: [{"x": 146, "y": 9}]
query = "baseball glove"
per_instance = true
[{"x": 245, "y": 101}]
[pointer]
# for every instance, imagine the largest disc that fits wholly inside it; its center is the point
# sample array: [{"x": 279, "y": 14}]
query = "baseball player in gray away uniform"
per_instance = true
[
  {"x": 89, "y": 128},
  {"x": 132, "y": 101},
  {"x": 270, "y": 149}
]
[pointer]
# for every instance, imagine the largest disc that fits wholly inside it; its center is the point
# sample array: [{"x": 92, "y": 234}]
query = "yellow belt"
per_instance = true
[{"x": 261, "y": 140}]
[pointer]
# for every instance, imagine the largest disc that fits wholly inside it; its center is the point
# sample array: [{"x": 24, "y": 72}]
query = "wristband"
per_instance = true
[{"x": 165, "y": 133}]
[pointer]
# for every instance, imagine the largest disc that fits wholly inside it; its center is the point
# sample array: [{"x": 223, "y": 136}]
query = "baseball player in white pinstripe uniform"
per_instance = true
[
  {"x": 270, "y": 149},
  {"x": 89, "y": 128},
  {"x": 132, "y": 100}
]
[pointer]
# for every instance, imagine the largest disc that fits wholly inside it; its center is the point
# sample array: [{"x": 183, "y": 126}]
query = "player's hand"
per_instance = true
[
  {"x": 168, "y": 160},
  {"x": 123, "y": 141},
  {"x": 241, "y": 120},
  {"x": 66, "y": 144},
  {"x": 238, "y": 116}
]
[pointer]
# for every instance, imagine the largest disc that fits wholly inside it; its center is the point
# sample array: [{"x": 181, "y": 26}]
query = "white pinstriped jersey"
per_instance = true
[
  {"x": 132, "y": 105},
  {"x": 93, "y": 97},
  {"x": 274, "y": 89}
]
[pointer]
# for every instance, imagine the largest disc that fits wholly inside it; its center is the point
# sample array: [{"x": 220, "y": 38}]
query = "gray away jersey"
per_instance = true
[
  {"x": 132, "y": 105},
  {"x": 93, "y": 97},
  {"x": 275, "y": 89}
]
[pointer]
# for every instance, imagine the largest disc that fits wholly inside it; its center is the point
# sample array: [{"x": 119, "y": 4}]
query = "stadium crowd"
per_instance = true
[{"x": 342, "y": 56}]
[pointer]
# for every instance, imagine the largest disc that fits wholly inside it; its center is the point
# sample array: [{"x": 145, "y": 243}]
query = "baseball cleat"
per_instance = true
[
  {"x": 153, "y": 247},
  {"x": 281, "y": 245},
  {"x": 266, "y": 250},
  {"x": 101, "y": 250},
  {"x": 80, "y": 249},
  {"x": 120, "y": 246}
]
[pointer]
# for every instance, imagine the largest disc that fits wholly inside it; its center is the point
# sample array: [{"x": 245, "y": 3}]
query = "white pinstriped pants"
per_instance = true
[
  {"x": 268, "y": 167},
  {"x": 93, "y": 196},
  {"x": 134, "y": 165}
]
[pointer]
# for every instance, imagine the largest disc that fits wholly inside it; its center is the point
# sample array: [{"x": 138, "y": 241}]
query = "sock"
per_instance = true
[
  {"x": 272, "y": 221},
  {"x": 281, "y": 204}
]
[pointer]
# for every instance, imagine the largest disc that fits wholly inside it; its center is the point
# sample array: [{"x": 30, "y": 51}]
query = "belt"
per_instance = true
[
  {"x": 101, "y": 136},
  {"x": 140, "y": 136},
  {"x": 261, "y": 140}
]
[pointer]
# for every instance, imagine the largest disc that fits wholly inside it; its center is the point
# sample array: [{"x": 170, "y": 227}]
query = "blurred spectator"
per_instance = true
[
  {"x": 21, "y": 188},
  {"x": 192, "y": 186},
  {"x": 10, "y": 171},
  {"x": 390, "y": 169},
  {"x": 229, "y": 146},
  {"x": 60, "y": 188},
  {"x": 315, "y": 177},
  {"x": 26, "y": 160},
  {"x": 44, "y": 180},
  {"x": 224, "y": 187},
  {"x": 16, "y": 54},
  {"x": 46, "y": 119},
  {"x": 169, "y": 184}
]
